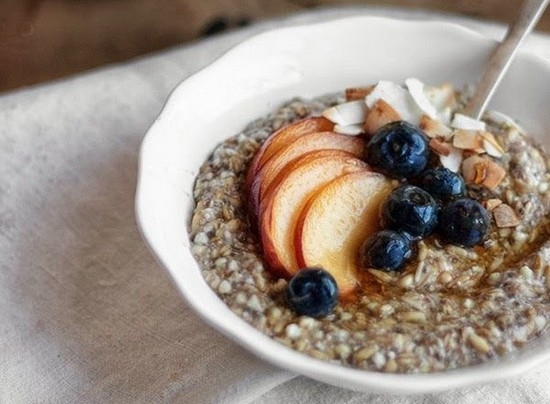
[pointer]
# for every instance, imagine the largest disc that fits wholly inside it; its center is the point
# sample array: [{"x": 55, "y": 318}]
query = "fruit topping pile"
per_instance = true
[{"x": 356, "y": 188}]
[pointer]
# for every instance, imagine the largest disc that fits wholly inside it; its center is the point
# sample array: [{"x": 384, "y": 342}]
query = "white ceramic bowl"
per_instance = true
[{"x": 253, "y": 79}]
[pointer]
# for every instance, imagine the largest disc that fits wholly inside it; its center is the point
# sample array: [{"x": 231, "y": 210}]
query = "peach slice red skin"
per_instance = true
[
  {"x": 299, "y": 147},
  {"x": 283, "y": 137},
  {"x": 283, "y": 202}
]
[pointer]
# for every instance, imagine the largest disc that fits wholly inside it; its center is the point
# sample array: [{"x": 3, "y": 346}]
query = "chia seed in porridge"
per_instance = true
[{"x": 448, "y": 307}]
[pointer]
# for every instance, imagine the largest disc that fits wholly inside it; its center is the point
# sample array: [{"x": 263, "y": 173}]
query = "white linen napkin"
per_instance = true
[{"x": 86, "y": 313}]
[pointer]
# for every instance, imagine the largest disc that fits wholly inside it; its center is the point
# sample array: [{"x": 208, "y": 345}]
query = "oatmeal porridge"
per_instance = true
[{"x": 448, "y": 304}]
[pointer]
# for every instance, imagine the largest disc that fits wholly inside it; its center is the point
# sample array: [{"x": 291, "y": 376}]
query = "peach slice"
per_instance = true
[
  {"x": 282, "y": 138},
  {"x": 337, "y": 220},
  {"x": 299, "y": 147},
  {"x": 281, "y": 207}
]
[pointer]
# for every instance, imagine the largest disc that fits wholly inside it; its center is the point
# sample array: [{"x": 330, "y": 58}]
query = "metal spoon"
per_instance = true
[{"x": 503, "y": 54}]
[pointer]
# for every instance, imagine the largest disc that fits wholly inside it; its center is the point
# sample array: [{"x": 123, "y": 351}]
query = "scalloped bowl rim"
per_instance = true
[{"x": 168, "y": 166}]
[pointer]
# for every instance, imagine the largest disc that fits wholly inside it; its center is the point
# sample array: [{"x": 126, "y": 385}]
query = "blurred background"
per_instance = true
[{"x": 41, "y": 40}]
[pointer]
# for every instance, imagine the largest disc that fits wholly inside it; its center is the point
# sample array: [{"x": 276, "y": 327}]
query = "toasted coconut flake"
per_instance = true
[
  {"x": 351, "y": 130},
  {"x": 494, "y": 176},
  {"x": 472, "y": 169},
  {"x": 492, "y": 203},
  {"x": 461, "y": 121},
  {"x": 398, "y": 97},
  {"x": 379, "y": 115},
  {"x": 348, "y": 113},
  {"x": 468, "y": 140},
  {"x": 491, "y": 145},
  {"x": 505, "y": 216},
  {"x": 453, "y": 160},
  {"x": 416, "y": 89},
  {"x": 439, "y": 147},
  {"x": 358, "y": 93},
  {"x": 434, "y": 127},
  {"x": 482, "y": 171}
]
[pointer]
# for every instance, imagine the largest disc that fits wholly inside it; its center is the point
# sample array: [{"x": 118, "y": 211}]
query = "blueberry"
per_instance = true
[
  {"x": 443, "y": 184},
  {"x": 398, "y": 149},
  {"x": 464, "y": 222},
  {"x": 410, "y": 209},
  {"x": 387, "y": 250},
  {"x": 312, "y": 292}
]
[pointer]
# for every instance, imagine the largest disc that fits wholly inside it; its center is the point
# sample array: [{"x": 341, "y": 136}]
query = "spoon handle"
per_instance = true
[{"x": 503, "y": 54}]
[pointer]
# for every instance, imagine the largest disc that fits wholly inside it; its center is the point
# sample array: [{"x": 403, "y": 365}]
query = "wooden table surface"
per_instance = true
[{"x": 41, "y": 40}]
